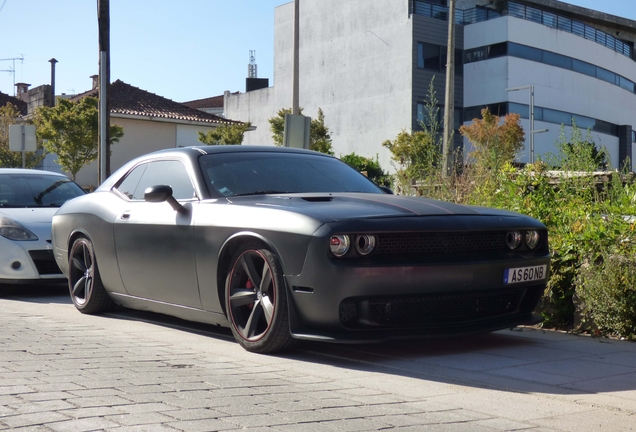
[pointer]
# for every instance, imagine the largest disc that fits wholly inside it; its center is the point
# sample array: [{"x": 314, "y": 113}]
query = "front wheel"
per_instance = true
[
  {"x": 256, "y": 301},
  {"x": 85, "y": 284}
]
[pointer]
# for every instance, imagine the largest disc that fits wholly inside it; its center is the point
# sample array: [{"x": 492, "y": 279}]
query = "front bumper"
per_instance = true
[
  {"x": 349, "y": 301},
  {"x": 28, "y": 262}
]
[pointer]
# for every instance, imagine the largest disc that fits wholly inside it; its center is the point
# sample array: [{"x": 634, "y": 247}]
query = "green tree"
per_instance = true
[
  {"x": 496, "y": 142},
  {"x": 12, "y": 159},
  {"x": 578, "y": 153},
  {"x": 418, "y": 154},
  {"x": 319, "y": 135},
  {"x": 225, "y": 134},
  {"x": 70, "y": 130},
  {"x": 370, "y": 167}
]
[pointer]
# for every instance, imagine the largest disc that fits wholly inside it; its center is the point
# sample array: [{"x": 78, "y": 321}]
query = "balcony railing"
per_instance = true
[{"x": 479, "y": 14}]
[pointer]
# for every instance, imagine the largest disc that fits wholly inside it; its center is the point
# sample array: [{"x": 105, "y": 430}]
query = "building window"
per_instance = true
[
  {"x": 547, "y": 57},
  {"x": 429, "y": 57},
  {"x": 433, "y": 57},
  {"x": 544, "y": 114}
]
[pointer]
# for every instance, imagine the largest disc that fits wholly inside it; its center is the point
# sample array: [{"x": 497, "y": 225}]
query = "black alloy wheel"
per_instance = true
[
  {"x": 85, "y": 285},
  {"x": 256, "y": 301}
]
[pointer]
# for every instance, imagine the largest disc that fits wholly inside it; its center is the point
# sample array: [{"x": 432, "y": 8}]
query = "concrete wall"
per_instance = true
[
  {"x": 257, "y": 107},
  {"x": 355, "y": 63},
  {"x": 556, "y": 88}
]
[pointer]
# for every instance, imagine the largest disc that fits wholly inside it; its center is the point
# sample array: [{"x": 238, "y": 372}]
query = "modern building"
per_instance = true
[{"x": 369, "y": 65}]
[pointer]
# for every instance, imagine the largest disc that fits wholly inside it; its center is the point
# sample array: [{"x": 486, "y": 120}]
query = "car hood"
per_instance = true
[
  {"x": 29, "y": 215},
  {"x": 342, "y": 206},
  {"x": 37, "y": 219}
]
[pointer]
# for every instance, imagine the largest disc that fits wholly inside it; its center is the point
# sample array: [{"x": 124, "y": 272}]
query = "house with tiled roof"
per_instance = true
[
  {"x": 150, "y": 123},
  {"x": 19, "y": 104},
  {"x": 211, "y": 105}
]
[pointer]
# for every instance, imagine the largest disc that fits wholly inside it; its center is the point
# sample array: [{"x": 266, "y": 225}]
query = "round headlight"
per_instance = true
[
  {"x": 365, "y": 244},
  {"x": 532, "y": 239},
  {"x": 339, "y": 245},
  {"x": 513, "y": 239}
]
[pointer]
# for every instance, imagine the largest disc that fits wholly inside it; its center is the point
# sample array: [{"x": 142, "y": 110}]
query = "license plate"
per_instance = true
[{"x": 525, "y": 274}]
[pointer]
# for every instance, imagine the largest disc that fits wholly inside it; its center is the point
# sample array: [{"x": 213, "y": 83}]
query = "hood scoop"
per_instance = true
[{"x": 318, "y": 198}]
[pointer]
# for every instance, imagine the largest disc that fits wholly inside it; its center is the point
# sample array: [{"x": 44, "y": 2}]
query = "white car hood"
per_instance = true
[
  {"x": 28, "y": 216},
  {"x": 37, "y": 220}
]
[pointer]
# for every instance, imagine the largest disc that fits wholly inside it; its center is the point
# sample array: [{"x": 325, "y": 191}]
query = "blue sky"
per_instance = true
[{"x": 183, "y": 50}]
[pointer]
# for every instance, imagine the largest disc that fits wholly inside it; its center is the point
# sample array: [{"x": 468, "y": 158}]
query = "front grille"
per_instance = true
[
  {"x": 45, "y": 262},
  {"x": 440, "y": 243},
  {"x": 431, "y": 310}
]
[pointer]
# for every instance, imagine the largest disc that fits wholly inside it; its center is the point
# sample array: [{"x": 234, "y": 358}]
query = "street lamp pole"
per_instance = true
[{"x": 531, "y": 116}]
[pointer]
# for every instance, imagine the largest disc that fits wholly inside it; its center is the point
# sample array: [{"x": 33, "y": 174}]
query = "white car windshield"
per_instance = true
[{"x": 36, "y": 190}]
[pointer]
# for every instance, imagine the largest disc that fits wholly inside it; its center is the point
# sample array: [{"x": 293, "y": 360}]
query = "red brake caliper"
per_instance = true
[{"x": 249, "y": 285}]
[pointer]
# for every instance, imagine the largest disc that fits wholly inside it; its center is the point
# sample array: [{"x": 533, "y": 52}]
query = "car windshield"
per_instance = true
[
  {"x": 253, "y": 173},
  {"x": 36, "y": 190}
]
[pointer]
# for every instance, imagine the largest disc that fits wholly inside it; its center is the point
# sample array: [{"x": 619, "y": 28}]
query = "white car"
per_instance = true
[{"x": 28, "y": 201}]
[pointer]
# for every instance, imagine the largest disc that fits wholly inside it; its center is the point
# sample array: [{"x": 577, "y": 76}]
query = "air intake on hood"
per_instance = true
[{"x": 318, "y": 199}]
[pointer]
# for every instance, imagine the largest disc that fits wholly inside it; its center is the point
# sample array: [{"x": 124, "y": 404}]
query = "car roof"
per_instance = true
[
  {"x": 29, "y": 171},
  {"x": 194, "y": 152},
  {"x": 211, "y": 149}
]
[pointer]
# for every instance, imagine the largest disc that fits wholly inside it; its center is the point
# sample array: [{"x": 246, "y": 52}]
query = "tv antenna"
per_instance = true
[
  {"x": 12, "y": 70},
  {"x": 251, "y": 68}
]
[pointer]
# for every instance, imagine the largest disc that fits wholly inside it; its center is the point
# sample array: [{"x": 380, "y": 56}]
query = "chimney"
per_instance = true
[
  {"x": 95, "y": 79},
  {"x": 22, "y": 91},
  {"x": 52, "y": 61}
]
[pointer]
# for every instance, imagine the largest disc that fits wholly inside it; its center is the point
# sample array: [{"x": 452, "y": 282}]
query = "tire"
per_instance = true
[
  {"x": 84, "y": 282},
  {"x": 256, "y": 300}
]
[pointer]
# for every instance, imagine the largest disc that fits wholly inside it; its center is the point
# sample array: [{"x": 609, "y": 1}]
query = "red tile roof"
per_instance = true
[
  {"x": 19, "y": 104},
  {"x": 130, "y": 100},
  {"x": 211, "y": 102}
]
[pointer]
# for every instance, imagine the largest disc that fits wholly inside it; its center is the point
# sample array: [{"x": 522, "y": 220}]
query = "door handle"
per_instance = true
[{"x": 125, "y": 216}]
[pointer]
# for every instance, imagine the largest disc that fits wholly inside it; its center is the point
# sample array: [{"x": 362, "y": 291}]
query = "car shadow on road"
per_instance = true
[
  {"x": 53, "y": 293},
  {"x": 520, "y": 360}
]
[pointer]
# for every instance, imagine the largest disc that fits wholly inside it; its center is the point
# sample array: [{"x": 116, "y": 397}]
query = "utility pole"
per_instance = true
[
  {"x": 295, "y": 75},
  {"x": 449, "y": 98},
  {"x": 103, "y": 19}
]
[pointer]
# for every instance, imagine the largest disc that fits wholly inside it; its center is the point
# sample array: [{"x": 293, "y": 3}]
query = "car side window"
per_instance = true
[
  {"x": 164, "y": 172},
  {"x": 128, "y": 186}
]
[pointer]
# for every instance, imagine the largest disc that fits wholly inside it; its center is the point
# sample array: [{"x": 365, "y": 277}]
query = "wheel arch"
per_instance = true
[
  {"x": 74, "y": 236},
  {"x": 227, "y": 251}
]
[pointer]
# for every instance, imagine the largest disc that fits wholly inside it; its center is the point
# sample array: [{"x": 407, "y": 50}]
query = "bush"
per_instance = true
[
  {"x": 607, "y": 293},
  {"x": 369, "y": 166}
]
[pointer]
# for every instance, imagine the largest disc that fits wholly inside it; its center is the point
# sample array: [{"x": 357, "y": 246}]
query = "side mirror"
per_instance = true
[
  {"x": 386, "y": 190},
  {"x": 163, "y": 193}
]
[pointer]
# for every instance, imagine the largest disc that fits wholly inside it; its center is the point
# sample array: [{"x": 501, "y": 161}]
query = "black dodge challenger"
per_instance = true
[{"x": 284, "y": 244}]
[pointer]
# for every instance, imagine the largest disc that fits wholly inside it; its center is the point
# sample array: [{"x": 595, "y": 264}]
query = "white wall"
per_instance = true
[{"x": 354, "y": 66}]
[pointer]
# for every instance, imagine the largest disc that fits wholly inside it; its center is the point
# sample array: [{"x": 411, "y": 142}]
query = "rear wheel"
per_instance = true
[
  {"x": 85, "y": 284},
  {"x": 256, "y": 301}
]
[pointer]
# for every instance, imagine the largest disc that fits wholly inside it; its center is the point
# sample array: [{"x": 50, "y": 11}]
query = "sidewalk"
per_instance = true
[{"x": 64, "y": 371}]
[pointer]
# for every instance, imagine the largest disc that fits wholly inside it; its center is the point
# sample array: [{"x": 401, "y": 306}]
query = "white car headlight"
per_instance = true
[{"x": 14, "y": 231}]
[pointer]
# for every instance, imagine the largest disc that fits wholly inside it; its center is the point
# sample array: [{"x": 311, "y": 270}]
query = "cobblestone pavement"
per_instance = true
[{"x": 64, "y": 371}]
